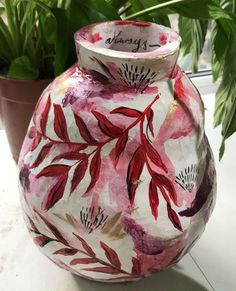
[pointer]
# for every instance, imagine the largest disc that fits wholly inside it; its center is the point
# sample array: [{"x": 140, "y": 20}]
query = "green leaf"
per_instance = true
[
  {"x": 156, "y": 17},
  {"x": 101, "y": 7},
  {"x": 138, "y": 5},
  {"x": 6, "y": 39},
  {"x": 67, "y": 23},
  {"x": 62, "y": 40},
  {"x": 48, "y": 28},
  {"x": 217, "y": 12},
  {"x": 78, "y": 13},
  {"x": 21, "y": 68},
  {"x": 229, "y": 122},
  {"x": 222, "y": 150},
  {"x": 225, "y": 109},
  {"x": 219, "y": 45},
  {"x": 162, "y": 19},
  {"x": 216, "y": 65},
  {"x": 185, "y": 31},
  {"x": 13, "y": 24},
  {"x": 117, "y": 3},
  {"x": 204, "y": 9},
  {"x": 222, "y": 95},
  {"x": 193, "y": 33},
  {"x": 91, "y": 15},
  {"x": 5, "y": 47}
]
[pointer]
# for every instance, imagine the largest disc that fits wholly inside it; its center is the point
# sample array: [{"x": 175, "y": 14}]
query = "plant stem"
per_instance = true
[
  {"x": 58, "y": 141},
  {"x": 102, "y": 262},
  {"x": 156, "y": 7},
  {"x": 143, "y": 113}
]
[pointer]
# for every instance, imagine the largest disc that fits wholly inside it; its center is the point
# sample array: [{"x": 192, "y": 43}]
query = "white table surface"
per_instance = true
[{"x": 211, "y": 264}]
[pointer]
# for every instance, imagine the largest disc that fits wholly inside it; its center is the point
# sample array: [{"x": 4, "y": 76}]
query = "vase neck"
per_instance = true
[{"x": 128, "y": 52}]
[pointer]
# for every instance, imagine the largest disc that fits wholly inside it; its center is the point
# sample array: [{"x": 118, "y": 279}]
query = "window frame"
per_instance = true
[{"x": 203, "y": 80}]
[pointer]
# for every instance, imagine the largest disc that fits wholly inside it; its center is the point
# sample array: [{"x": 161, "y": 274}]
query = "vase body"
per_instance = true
[{"x": 117, "y": 178}]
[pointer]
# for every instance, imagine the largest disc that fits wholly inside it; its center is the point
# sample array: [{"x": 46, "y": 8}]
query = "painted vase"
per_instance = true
[{"x": 117, "y": 178}]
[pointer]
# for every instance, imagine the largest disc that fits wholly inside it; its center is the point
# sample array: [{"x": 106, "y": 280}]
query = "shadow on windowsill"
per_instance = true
[{"x": 170, "y": 280}]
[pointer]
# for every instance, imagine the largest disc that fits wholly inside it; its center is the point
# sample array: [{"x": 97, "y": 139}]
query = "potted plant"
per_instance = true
[
  {"x": 26, "y": 66},
  {"x": 37, "y": 45}
]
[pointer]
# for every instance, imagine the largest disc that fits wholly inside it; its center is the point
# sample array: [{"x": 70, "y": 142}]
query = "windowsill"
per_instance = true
[{"x": 204, "y": 82}]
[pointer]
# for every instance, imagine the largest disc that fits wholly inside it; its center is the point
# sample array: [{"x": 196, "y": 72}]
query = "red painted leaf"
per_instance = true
[
  {"x": 136, "y": 269},
  {"x": 55, "y": 193},
  {"x": 73, "y": 155},
  {"x": 41, "y": 240},
  {"x": 83, "y": 261},
  {"x": 60, "y": 125},
  {"x": 44, "y": 116},
  {"x": 81, "y": 146},
  {"x": 36, "y": 109},
  {"x": 35, "y": 143},
  {"x": 150, "y": 116},
  {"x": 134, "y": 172},
  {"x": 32, "y": 225},
  {"x": 53, "y": 229},
  {"x": 111, "y": 255},
  {"x": 163, "y": 182},
  {"x": 42, "y": 155},
  {"x": 32, "y": 132},
  {"x": 53, "y": 171},
  {"x": 84, "y": 132},
  {"x": 121, "y": 143},
  {"x": 104, "y": 67},
  {"x": 86, "y": 247},
  {"x": 79, "y": 173},
  {"x": 127, "y": 111},
  {"x": 153, "y": 198},
  {"x": 173, "y": 216},
  {"x": 94, "y": 170},
  {"x": 153, "y": 154},
  {"x": 97, "y": 76},
  {"x": 163, "y": 192},
  {"x": 107, "y": 270},
  {"x": 179, "y": 90},
  {"x": 66, "y": 252},
  {"x": 106, "y": 126}
]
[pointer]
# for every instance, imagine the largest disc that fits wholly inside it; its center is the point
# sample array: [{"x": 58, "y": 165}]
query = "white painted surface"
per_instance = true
[{"x": 211, "y": 264}]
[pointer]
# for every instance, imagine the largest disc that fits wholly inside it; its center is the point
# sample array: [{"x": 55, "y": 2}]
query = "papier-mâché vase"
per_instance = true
[{"x": 117, "y": 178}]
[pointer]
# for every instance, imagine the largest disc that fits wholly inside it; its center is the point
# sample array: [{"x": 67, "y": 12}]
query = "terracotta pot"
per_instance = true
[
  {"x": 18, "y": 99},
  {"x": 116, "y": 174}
]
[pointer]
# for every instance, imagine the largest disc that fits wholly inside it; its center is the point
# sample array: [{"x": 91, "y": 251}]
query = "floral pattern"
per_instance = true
[{"x": 101, "y": 172}]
